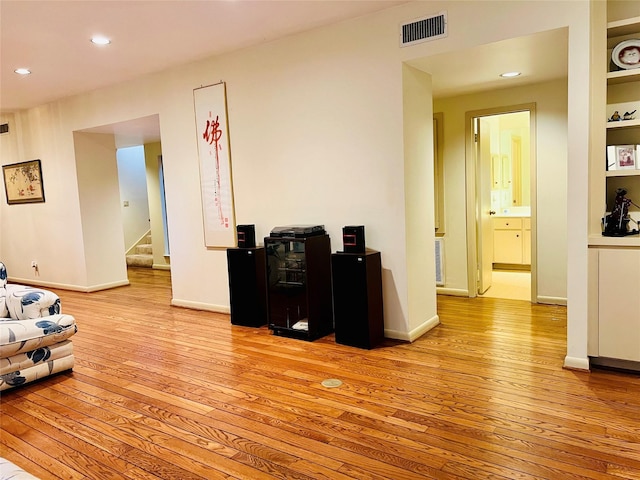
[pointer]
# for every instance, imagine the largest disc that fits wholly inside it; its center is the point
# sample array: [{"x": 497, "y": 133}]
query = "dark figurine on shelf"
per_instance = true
[
  {"x": 616, "y": 224},
  {"x": 615, "y": 117},
  {"x": 628, "y": 115}
]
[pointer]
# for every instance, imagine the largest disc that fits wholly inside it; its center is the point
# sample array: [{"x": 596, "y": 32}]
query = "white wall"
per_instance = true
[
  {"x": 134, "y": 204},
  {"x": 552, "y": 155},
  {"x": 49, "y": 232},
  {"x": 152, "y": 151},
  {"x": 316, "y": 129},
  {"x": 101, "y": 217},
  {"x": 419, "y": 217}
]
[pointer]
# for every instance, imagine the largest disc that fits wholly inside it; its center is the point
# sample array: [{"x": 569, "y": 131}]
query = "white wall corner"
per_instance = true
[
  {"x": 574, "y": 363},
  {"x": 455, "y": 292},
  {"x": 67, "y": 286},
  {"x": 552, "y": 300},
  {"x": 209, "y": 307},
  {"x": 161, "y": 266},
  {"x": 414, "y": 334}
]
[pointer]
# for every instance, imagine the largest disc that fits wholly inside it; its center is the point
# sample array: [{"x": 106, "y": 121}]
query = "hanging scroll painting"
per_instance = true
[{"x": 215, "y": 165}]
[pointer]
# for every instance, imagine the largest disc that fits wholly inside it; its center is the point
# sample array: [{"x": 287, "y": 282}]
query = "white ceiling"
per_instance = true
[
  {"x": 540, "y": 57},
  {"x": 51, "y": 38}
]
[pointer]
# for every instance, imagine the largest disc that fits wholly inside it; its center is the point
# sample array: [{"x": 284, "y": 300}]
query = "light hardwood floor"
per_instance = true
[
  {"x": 160, "y": 392},
  {"x": 510, "y": 284}
]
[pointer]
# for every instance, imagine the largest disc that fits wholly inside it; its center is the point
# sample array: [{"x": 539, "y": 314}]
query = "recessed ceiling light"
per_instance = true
[
  {"x": 510, "y": 74},
  {"x": 22, "y": 71},
  {"x": 100, "y": 40}
]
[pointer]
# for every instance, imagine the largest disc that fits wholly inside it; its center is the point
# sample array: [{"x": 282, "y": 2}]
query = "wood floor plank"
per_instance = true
[{"x": 162, "y": 392}]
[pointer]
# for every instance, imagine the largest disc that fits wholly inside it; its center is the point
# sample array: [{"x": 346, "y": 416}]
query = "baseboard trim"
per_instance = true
[
  {"x": 107, "y": 286},
  {"x": 415, "y": 333},
  {"x": 209, "y": 307},
  {"x": 626, "y": 365},
  {"x": 66, "y": 286},
  {"x": 552, "y": 300},
  {"x": 576, "y": 363},
  {"x": 456, "y": 292}
]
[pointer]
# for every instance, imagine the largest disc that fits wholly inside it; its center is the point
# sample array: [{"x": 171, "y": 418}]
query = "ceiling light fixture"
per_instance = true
[
  {"x": 22, "y": 71},
  {"x": 510, "y": 74},
  {"x": 100, "y": 40}
]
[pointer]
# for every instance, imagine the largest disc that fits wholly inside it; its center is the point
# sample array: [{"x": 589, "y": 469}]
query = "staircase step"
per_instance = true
[
  {"x": 144, "y": 249},
  {"x": 140, "y": 260}
]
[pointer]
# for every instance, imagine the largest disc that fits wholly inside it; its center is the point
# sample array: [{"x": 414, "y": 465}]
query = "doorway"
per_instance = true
[
  {"x": 142, "y": 134},
  {"x": 501, "y": 205}
]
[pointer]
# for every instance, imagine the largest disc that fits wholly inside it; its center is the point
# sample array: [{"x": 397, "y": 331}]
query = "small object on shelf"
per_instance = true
[
  {"x": 626, "y": 54},
  {"x": 625, "y": 157},
  {"x": 617, "y": 118},
  {"x": 622, "y": 112},
  {"x": 611, "y": 157},
  {"x": 616, "y": 224}
]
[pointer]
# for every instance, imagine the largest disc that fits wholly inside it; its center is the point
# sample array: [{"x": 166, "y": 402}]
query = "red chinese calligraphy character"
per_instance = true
[{"x": 212, "y": 132}]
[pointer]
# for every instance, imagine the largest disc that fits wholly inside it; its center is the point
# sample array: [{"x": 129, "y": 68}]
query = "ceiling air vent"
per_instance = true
[
  {"x": 423, "y": 29},
  {"x": 4, "y": 128}
]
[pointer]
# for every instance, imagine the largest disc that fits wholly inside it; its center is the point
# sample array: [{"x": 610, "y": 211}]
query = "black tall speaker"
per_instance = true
[
  {"x": 357, "y": 298},
  {"x": 353, "y": 239},
  {"x": 247, "y": 286},
  {"x": 246, "y": 236}
]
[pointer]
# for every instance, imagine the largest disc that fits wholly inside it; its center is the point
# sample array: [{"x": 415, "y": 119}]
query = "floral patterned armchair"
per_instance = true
[{"x": 34, "y": 335}]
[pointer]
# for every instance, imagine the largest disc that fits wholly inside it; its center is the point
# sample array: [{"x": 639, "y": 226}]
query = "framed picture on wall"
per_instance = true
[
  {"x": 625, "y": 157},
  {"x": 210, "y": 105},
  {"x": 23, "y": 182}
]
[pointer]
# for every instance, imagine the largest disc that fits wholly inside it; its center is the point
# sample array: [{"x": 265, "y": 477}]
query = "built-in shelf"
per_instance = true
[
  {"x": 624, "y": 123},
  {"x": 620, "y": 28},
  {"x": 602, "y": 241},
  {"x": 622, "y": 173},
  {"x": 623, "y": 76},
  {"x": 613, "y": 275}
]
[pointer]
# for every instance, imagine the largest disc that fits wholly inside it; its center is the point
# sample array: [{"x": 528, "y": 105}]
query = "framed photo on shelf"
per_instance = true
[
  {"x": 625, "y": 157},
  {"x": 611, "y": 157}
]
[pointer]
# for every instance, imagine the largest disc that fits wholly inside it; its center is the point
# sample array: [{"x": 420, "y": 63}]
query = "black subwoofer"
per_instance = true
[
  {"x": 357, "y": 299},
  {"x": 247, "y": 286}
]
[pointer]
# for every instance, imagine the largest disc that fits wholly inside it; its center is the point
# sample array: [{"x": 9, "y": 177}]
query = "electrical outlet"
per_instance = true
[{"x": 34, "y": 264}]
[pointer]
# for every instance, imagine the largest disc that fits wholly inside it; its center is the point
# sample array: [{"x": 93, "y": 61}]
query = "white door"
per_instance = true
[{"x": 483, "y": 214}]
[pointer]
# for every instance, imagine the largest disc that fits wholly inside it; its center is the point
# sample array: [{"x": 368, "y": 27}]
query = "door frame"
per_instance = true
[{"x": 471, "y": 179}]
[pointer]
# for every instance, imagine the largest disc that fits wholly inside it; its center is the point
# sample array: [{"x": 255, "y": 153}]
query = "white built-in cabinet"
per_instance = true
[
  {"x": 614, "y": 262},
  {"x": 619, "y": 303},
  {"x": 512, "y": 240}
]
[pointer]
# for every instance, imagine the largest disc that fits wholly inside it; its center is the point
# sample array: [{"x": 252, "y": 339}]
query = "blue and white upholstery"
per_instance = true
[{"x": 34, "y": 334}]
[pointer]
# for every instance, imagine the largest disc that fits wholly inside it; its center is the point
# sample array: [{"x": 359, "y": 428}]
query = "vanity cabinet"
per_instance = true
[{"x": 512, "y": 240}]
